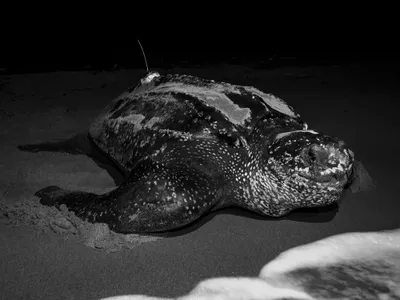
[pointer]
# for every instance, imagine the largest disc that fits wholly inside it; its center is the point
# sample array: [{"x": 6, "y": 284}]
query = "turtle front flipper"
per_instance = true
[{"x": 153, "y": 198}]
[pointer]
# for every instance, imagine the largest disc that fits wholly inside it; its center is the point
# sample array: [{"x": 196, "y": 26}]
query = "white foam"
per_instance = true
[
  {"x": 272, "y": 283},
  {"x": 330, "y": 250}
]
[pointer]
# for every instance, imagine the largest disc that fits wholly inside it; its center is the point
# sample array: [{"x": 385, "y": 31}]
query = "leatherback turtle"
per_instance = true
[{"x": 188, "y": 145}]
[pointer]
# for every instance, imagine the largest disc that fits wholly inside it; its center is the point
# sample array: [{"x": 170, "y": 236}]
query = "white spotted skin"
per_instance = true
[{"x": 159, "y": 198}]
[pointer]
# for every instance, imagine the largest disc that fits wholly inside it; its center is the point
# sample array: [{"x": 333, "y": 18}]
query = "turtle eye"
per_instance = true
[
  {"x": 312, "y": 155},
  {"x": 316, "y": 155}
]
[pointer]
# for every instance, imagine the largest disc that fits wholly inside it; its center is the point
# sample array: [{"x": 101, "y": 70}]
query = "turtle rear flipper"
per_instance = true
[
  {"x": 78, "y": 144},
  {"x": 81, "y": 144}
]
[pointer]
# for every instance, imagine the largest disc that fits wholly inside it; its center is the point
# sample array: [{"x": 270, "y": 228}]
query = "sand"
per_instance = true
[{"x": 49, "y": 258}]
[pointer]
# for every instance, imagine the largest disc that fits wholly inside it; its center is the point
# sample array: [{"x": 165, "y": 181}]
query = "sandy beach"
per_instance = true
[{"x": 355, "y": 103}]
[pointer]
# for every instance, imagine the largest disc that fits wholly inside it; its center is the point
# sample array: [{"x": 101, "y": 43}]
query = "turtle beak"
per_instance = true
[{"x": 329, "y": 163}]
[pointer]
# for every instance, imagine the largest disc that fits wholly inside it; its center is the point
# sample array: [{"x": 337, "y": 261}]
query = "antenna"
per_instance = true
[{"x": 144, "y": 55}]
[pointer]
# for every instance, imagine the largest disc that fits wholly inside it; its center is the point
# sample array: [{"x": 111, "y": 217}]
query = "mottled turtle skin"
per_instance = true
[{"x": 188, "y": 146}]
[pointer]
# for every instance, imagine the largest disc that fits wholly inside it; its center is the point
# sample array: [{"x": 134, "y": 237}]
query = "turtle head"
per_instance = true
[
  {"x": 310, "y": 169},
  {"x": 316, "y": 157}
]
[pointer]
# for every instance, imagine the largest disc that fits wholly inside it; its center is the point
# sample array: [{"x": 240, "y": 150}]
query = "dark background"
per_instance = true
[{"x": 23, "y": 59}]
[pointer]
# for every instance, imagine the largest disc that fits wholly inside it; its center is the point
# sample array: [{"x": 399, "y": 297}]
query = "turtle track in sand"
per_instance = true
[{"x": 45, "y": 219}]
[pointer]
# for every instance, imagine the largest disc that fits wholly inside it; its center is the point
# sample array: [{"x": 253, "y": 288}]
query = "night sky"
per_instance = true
[{"x": 40, "y": 58}]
